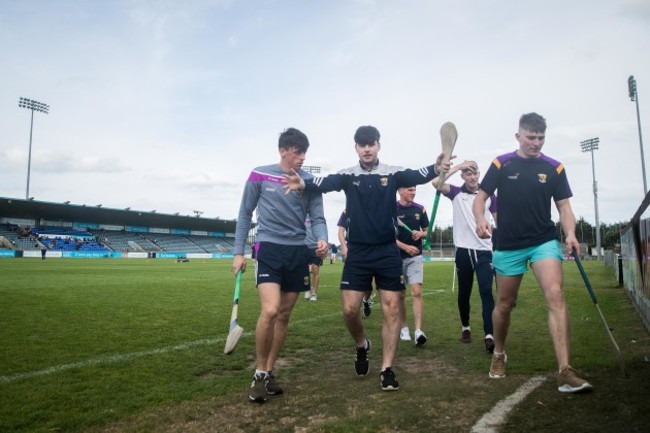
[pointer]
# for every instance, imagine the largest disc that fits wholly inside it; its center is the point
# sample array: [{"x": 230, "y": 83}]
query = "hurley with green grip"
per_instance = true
[{"x": 448, "y": 137}]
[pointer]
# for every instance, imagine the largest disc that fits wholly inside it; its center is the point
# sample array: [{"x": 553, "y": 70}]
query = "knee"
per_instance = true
[
  {"x": 505, "y": 305},
  {"x": 555, "y": 298},
  {"x": 350, "y": 311},
  {"x": 269, "y": 313}
]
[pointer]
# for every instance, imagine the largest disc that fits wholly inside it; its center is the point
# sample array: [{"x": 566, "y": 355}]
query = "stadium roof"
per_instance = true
[{"x": 71, "y": 213}]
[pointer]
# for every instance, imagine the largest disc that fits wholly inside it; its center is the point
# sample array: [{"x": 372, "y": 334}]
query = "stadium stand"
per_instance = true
[
  {"x": 30, "y": 225},
  {"x": 17, "y": 239}
]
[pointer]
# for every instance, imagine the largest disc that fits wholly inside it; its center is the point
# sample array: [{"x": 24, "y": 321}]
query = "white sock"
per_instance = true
[{"x": 466, "y": 328}]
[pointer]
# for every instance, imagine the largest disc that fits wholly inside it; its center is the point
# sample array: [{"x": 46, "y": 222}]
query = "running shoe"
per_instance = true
[
  {"x": 313, "y": 298},
  {"x": 272, "y": 385},
  {"x": 405, "y": 334},
  {"x": 367, "y": 307},
  {"x": 420, "y": 338},
  {"x": 466, "y": 336},
  {"x": 308, "y": 294},
  {"x": 498, "y": 367},
  {"x": 388, "y": 381},
  {"x": 361, "y": 362},
  {"x": 569, "y": 381},
  {"x": 258, "y": 391},
  {"x": 489, "y": 344}
]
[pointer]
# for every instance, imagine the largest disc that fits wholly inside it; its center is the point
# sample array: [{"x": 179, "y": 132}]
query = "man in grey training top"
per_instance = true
[{"x": 282, "y": 270}]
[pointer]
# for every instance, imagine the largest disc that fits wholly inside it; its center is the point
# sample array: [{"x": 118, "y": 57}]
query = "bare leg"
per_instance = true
[
  {"x": 506, "y": 297},
  {"x": 351, "y": 304},
  {"x": 402, "y": 310},
  {"x": 418, "y": 304},
  {"x": 269, "y": 306},
  {"x": 549, "y": 276},
  {"x": 390, "y": 327},
  {"x": 315, "y": 278},
  {"x": 281, "y": 327}
]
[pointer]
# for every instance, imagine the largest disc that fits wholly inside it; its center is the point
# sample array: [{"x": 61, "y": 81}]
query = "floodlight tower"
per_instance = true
[
  {"x": 631, "y": 87},
  {"x": 313, "y": 169},
  {"x": 589, "y": 146},
  {"x": 33, "y": 105}
]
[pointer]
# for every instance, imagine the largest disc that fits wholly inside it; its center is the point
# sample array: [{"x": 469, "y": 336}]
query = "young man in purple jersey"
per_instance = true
[
  {"x": 409, "y": 241},
  {"x": 281, "y": 267},
  {"x": 370, "y": 189},
  {"x": 527, "y": 181},
  {"x": 473, "y": 255}
]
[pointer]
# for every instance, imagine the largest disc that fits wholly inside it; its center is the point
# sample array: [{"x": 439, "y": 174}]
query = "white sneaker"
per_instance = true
[
  {"x": 313, "y": 297},
  {"x": 308, "y": 294},
  {"x": 405, "y": 334}
]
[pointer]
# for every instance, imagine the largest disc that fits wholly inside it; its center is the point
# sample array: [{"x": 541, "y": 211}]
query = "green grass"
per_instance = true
[{"x": 113, "y": 345}]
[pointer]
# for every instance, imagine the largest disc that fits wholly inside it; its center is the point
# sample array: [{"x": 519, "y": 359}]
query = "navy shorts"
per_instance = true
[
  {"x": 315, "y": 260},
  {"x": 365, "y": 262},
  {"x": 286, "y": 265}
]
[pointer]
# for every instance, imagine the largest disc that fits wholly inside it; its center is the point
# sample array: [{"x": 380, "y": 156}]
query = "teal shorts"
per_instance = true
[{"x": 515, "y": 262}]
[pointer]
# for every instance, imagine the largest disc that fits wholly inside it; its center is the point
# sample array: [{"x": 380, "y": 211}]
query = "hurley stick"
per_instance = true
[
  {"x": 448, "y": 137},
  {"x": 235, "y": 331}
]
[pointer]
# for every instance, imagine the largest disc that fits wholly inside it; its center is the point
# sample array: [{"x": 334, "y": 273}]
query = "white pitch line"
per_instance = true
[
  {"x": 491, "y": 421},
  {"x": 122, "y": 357}
]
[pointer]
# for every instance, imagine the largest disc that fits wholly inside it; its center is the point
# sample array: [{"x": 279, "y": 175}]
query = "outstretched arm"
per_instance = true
[
  {"x": 443, "y": 166},
  {"x": 292, "y": 182}
]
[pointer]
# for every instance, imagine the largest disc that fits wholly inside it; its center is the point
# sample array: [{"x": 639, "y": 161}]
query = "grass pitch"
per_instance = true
[{"x": 113, "y": 345}]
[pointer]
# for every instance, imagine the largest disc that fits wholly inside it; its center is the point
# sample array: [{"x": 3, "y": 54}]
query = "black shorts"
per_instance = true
[
  {"x": 365, "y": 262},
  {"x": 286, "y": 265},
  {"x": 315, "y": 260}
]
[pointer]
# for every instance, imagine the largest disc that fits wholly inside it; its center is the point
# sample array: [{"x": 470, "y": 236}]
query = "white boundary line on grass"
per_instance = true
[
  {"x": 122, "y": 357},
  {"x": 491, "y": 421}
]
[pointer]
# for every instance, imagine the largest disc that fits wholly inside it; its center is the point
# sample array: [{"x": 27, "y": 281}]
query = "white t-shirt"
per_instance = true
[{"x": 464, "y": 222}]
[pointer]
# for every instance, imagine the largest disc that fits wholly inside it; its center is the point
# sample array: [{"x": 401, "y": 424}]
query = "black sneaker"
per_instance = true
[
  {"x": 420, "y": 338},
  {"x": 361, "y": 362},
  {"x": 272, "y": 385},
  {"x": 388, "y": 381},
  {"x": 489, "y": 345},
  {"x": 367, "y": 307},
  {"x": 258, "y": 391}
]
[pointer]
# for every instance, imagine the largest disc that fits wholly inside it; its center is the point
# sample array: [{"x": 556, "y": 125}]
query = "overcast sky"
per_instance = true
[{"x": 168, "y": 105}]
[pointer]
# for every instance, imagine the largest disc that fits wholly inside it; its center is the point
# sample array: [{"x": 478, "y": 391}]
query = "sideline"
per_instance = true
[
  {"x": 123, "y": 357},
  {"x": 491, "y": 421}
]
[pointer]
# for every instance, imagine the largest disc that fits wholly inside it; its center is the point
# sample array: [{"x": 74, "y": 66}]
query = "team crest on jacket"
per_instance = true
[
  {"x": 541, "y": 177},
  {"x": 384, "y": 181},
  {"x": 417, "y": 216}
]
